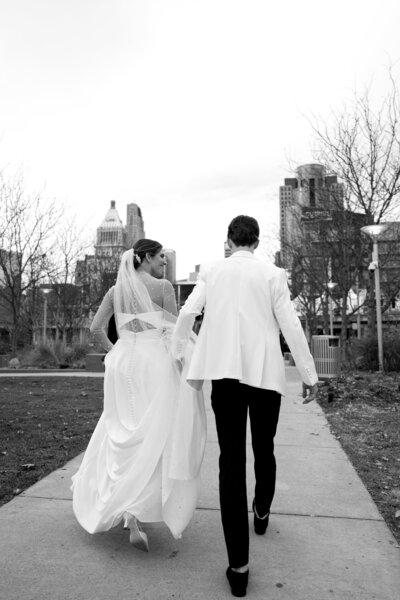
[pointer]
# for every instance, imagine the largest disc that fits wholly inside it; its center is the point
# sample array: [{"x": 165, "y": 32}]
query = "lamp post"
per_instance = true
[
  {"x": 374, "y": 232},
  {"x": 331, "y": 285},
  {"x": 45, "y": 292}
]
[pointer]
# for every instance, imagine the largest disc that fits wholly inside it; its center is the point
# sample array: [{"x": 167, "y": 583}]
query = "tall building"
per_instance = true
[
  {"x": 111, "y": 235},
  {"x": 310, "y": 196},
  {"x": 227, "y": 250},
  {"x": 98, "y": 272},
  {"x": 321, "y": 244},
  {"x": 134, "y": 224},
  {"x": 170, "y": 268}
]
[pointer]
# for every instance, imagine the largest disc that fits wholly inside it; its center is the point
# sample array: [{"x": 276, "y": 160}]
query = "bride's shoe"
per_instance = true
[{"x": 137, "y": 536}]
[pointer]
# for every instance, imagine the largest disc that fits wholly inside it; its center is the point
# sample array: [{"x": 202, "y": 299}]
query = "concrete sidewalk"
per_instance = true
[{"x": 326, "y": 538}]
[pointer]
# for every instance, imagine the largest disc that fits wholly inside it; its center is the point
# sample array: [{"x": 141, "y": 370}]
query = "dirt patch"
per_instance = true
[
  {"x": 363, "y": 412},
  {"x": 45, "y": 422}
]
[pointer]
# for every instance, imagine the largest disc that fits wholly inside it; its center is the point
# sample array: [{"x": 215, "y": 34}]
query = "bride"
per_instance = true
[{"x": 143, "y": 460}]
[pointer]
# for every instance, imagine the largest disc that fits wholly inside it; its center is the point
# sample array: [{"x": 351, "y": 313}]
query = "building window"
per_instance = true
[{"x": 312, "y": 192}]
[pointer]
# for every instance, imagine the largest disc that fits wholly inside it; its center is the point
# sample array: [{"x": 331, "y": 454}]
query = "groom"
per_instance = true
[{"x": 246, "y": 302}]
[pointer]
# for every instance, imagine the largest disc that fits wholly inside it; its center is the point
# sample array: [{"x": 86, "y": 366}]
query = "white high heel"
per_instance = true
[{"x": 137, "y": 536}]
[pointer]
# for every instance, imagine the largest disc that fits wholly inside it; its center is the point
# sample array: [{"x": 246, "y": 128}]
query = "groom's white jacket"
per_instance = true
[{"x": 246, "y": 302}]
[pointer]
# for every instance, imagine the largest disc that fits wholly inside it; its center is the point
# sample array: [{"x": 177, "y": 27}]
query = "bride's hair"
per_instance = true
[{"x": 143, "y": 247}]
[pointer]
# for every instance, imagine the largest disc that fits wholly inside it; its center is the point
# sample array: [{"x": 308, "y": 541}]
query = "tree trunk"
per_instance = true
[
  {"x": 343, "y": 333},
  {"x": 16, "y": 314},
  {"x": 14, "y": 339}
]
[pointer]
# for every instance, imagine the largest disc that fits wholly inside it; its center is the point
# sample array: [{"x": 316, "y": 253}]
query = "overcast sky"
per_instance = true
[{"x": 190, "y": 108}]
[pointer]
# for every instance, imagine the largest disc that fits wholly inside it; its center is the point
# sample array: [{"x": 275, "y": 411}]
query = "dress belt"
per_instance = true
[{"x": 147, "y": 333}]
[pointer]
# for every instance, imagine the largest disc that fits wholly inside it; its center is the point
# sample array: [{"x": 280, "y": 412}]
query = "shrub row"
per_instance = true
[
  {"x": 56, "y": 354},
  {"x": 362, "y": 354}
]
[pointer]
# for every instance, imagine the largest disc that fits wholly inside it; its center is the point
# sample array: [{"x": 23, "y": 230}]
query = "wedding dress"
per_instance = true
[{"x": 145, "y": 454}]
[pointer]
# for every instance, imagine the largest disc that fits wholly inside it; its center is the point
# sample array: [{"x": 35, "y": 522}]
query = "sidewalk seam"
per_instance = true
[{"x": 207, "y": 508}]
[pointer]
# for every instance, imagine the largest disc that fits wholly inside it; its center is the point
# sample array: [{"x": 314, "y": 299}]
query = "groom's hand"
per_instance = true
[{"x": 312, "y": 392}]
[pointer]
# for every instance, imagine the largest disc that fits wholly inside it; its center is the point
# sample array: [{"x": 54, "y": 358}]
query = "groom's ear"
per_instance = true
[
  {"x": 229, "y": 243},
  {"x": 256, "y": 244}
]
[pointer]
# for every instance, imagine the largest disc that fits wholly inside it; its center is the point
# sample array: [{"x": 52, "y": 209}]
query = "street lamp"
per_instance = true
[
  {"x": 374, "y": 232},
  {"x": 45, "y": 292},
  {"x": 331, "y": 285}
]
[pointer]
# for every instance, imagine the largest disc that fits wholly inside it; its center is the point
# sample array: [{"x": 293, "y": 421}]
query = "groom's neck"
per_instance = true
[{"x": 235, "y": 248}]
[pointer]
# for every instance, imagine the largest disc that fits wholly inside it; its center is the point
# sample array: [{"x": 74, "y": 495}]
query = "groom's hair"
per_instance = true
[{"x": 243, "y": 231}]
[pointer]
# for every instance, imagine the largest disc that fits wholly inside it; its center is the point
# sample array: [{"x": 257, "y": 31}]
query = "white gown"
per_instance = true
[{"x": 145, "y": 454}]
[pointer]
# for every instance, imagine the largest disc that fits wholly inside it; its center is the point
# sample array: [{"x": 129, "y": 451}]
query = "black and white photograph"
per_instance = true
[{"x": 199, "y": 300}]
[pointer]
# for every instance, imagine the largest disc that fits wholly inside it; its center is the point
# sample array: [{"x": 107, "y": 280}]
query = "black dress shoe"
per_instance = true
[
  {"x": 260, "y": 525},
  {"x": 238, "y": 582}
]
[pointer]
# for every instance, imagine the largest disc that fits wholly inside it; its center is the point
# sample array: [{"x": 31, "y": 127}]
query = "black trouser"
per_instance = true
[{"x": 230, "y": 401}]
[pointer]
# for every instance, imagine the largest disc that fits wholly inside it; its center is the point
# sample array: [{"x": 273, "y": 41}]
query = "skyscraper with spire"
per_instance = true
[
  {"x": 111, "y": 236},
  {"x": 112, "y": 239}
]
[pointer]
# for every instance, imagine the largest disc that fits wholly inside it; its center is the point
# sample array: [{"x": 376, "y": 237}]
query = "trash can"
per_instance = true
[{"x": 327, "y": 353}]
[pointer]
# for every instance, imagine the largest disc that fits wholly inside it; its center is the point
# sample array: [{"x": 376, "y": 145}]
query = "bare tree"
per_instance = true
[
  {"x": 361, "y": 144},
  {"x": 27, "y": 222},
  {"x": 329, "y": 250},
  {"x": 66, "y": 304},
  {"x": 269, "y": 244}
]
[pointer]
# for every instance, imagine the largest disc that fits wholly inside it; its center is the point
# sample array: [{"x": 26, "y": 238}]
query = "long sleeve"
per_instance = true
[
  {"x": 292, "y": 330},
  {"x": 183, "y": 328},
  {"x": 100, "y": 321}
]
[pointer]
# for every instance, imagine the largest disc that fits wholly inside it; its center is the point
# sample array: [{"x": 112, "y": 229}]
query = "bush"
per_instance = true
[
  {"x": 55, "y": 354},
  {"x": 363, "y": 354},
  {"x": 5, "y": 346},
  {"x": 77, "y": 352}
]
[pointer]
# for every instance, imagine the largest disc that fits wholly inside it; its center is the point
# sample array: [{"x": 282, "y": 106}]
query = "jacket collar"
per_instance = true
[{"x": 242, "y": 254}]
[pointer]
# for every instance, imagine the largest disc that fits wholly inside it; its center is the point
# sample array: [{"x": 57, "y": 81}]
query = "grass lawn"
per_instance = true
[
  {"x": 364, "y": 414},
  {"x": 44, "y": 422}
]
